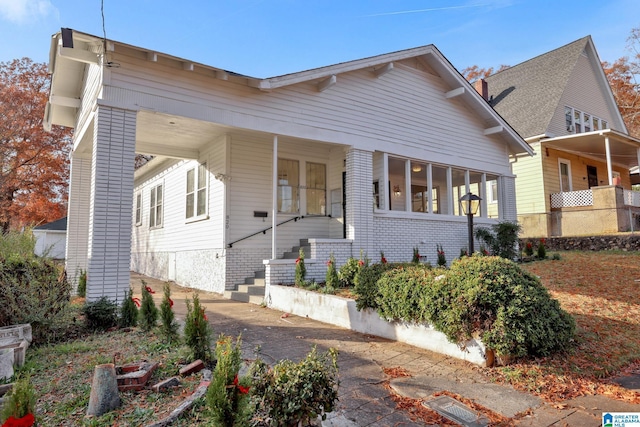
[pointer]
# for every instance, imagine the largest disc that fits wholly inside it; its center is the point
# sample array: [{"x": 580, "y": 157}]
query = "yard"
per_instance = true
[{"x": 600, "y": 289}]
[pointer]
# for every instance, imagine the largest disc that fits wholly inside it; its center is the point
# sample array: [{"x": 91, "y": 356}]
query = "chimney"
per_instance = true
[{"x": 482, "y": 88}]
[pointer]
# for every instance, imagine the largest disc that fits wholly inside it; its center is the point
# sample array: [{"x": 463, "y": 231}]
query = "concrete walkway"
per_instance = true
[{"x": 363, "y": 398}]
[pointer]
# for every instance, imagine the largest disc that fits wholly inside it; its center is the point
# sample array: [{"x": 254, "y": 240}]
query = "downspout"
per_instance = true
[{"x": 274, "y": 212}]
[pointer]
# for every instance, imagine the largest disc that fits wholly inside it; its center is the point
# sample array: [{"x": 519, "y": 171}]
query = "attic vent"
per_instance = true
[{"x": 584, "y": 53}]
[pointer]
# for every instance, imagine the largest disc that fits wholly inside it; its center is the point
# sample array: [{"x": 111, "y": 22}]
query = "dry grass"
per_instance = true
[{"x": 601, "y": 291}]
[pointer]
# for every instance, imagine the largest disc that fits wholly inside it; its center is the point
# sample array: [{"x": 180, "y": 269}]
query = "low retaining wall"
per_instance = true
[
  {"x": 342, "y": 312},
  {"x": 622, "y": 242}
]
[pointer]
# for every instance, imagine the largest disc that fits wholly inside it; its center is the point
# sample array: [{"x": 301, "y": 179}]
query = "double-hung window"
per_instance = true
[
  {"x": 196, "y": 195},
  {"x": 316, "y": 189},
  {"x": 138, "y": 209},
  {"x": 288, "y": 186},
  {"x": 155, "y": 207}
]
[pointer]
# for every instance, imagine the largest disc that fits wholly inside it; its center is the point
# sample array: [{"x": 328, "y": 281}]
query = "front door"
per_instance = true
[{"x": 592, "y": 176}]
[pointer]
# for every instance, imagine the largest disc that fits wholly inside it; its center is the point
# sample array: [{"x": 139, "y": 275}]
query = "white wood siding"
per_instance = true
[
  {"x": 405, "y": 112},
  {"x": 583, "y": 92},
  {"x": 250, "y": 190},
  {"x": 90, "y": 92}
]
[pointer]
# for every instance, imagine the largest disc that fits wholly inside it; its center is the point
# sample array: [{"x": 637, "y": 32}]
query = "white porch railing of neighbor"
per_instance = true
[
  {"x": 571, "y": 199},
  {"x": 632, "y": 198}
]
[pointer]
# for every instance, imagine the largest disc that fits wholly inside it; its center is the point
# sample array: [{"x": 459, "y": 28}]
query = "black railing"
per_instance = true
[{"x": 294, "y": 219}]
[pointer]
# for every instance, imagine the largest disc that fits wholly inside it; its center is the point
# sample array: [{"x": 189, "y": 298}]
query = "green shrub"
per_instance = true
[
  {"x": 33, "y": 290},
  {"x": 301, "y": 270},
  {"x": 366, "y": 288},
  {"x": 82, "y": 284},
  {"x": 148, "y": 313},
  {"x": 292, "y": 393},
  {"x": 402, "y": 293},
  {"x": 169, "y": 326},
  {"x": 18, "y": 245},
  {"x": 128, "y": 311},
  {"x": 228, "y": 395},
  {"x": 348, "y": 272},
  {"x": 101, "y": 314},
  {"x": 502, "y": 239},
  {"x": 506, "y": 306},
  {"x": 197, "y": 332},
  {"x": 20, "y": 401},
  {"x": 331, "y": 277},
  {"x": 542, "y": 251}
]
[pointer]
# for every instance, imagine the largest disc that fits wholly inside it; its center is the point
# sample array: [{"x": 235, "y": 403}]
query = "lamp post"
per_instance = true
[{"x": 469, "y": 204}]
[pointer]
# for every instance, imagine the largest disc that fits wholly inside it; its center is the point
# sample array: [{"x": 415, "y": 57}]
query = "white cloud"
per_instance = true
[{"x": 22, "y": 11}]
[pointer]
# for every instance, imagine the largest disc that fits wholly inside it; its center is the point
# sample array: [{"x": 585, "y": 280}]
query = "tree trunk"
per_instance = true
[{"x": 104, "y": 390}]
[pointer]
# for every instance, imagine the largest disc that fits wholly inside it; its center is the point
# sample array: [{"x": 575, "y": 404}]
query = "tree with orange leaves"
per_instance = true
[
  {"x": 623, "y": 76},
  {"x": 33, "y": 162}
]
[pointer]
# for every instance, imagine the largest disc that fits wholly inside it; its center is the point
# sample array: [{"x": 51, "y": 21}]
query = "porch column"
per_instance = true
[
  {"x": 78, "y": 217},
  {"x": 274, "y": 203},
  {"x": 607, "y": 149},
  {"x": 359, "y": 200},
  {"x": 110, "y": 207}
]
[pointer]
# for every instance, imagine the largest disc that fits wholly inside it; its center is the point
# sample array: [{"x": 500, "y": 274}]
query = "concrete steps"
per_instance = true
[{"x": 252, "y": 290}]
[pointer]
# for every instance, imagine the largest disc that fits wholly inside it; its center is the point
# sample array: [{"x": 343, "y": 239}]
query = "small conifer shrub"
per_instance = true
[
  {"x": 197, "y": 332},
  {"x": 128, "y": 311},
  {"x": 148, "y": 314}
]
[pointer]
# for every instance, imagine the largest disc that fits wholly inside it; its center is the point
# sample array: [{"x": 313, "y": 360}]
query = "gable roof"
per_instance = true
[
  {"x": 58, "y": 225},
  {"x": 67, "y": 67},
  {"x": 528, "y": 94}
]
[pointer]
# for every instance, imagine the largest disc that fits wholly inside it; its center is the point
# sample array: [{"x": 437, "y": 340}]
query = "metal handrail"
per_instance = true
[{"x": 294, "y": 219}]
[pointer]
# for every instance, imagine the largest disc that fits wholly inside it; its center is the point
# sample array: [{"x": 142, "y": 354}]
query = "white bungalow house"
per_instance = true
[{"x": 359, "y": 157}]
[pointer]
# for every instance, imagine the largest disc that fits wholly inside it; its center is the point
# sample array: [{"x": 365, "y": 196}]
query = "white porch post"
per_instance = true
[
  {"x": 110, "y": 207},
  {"x": 78, "y": 217},
  {"x": 274, "y": 210},
  {"x": 359, "y": 207},
  {"x": 608, "y": 152}
]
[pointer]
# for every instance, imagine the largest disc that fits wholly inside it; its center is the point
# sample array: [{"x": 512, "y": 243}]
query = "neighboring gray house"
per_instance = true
[
  {"x": 51, "y": 239},
  {"x": 561, "y": 104},
  {"x": 364, "y": 156}
]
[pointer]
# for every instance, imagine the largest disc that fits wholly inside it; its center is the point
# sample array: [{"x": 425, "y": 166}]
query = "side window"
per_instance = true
[
  {"x": 155, "y": 207},
  {"x": 288, "y": 185},
  {"x": 196, "y": 192},
  {"x": 138, "y": 208},
  {"x": 564, "y": 167}
]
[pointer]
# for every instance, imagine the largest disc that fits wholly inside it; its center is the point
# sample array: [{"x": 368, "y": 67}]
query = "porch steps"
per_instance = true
[{"x": 251, "y": 291}]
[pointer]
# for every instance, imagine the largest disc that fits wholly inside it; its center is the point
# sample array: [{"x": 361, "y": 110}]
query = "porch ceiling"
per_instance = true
[
  {"x": 623, "y": 148},
  {"x": 166, "y": 135}
]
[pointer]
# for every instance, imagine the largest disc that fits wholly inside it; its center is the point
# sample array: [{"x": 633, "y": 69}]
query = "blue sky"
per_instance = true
[{"x": 264, "y": 38}]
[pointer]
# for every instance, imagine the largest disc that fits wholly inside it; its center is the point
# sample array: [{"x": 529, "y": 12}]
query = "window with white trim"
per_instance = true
[
  {"x": 564, "y": 168},
  {"x": 155, "y": 207},
  {"x": 316, "y": 190},
  {"x": 138, "y": 208},
  {"x": 288, "y": 186},
  {"x": 577, "y": 121},
  {"x": 196, "y": 194}
]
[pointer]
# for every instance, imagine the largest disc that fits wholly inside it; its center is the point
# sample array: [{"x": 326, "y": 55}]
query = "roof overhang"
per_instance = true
[{"x": 623, "y": 148}]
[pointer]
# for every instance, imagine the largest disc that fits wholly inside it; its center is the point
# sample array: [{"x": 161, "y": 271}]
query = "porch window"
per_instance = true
[
  {"x": 459, "y": 188},
  {"x": 139, "y": 209},
  {"x": 419, "y": 195},
  {"x": 155, "y": 207},
  {"x": 492, "y": 196},
  {"x": 397, "y": 184},
  {"x": 564, "y": 167},
  {"x": 288, "y": 187},
  {"x": 439, "y": 203},
  {"x": 316, "y": 189},
  {"x": 196, "y": 195}
]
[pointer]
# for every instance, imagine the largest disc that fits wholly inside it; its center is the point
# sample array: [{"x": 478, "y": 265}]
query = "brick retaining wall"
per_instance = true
[{"x": 622, "y": 242}]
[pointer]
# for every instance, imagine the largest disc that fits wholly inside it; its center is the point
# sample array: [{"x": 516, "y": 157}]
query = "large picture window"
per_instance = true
[
  {"x": 316, "y": 189},
  {"x": 196, "y": 196},
  {"x": 155, "y": 206},
  {"x": 288, "y": 186}
]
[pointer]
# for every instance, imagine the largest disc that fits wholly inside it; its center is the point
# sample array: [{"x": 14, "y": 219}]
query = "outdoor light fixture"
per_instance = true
[
  {"x": 396, "y": 191},
  {"x": 469, "y": 204},
  {"x": 416, "y": 168}
]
